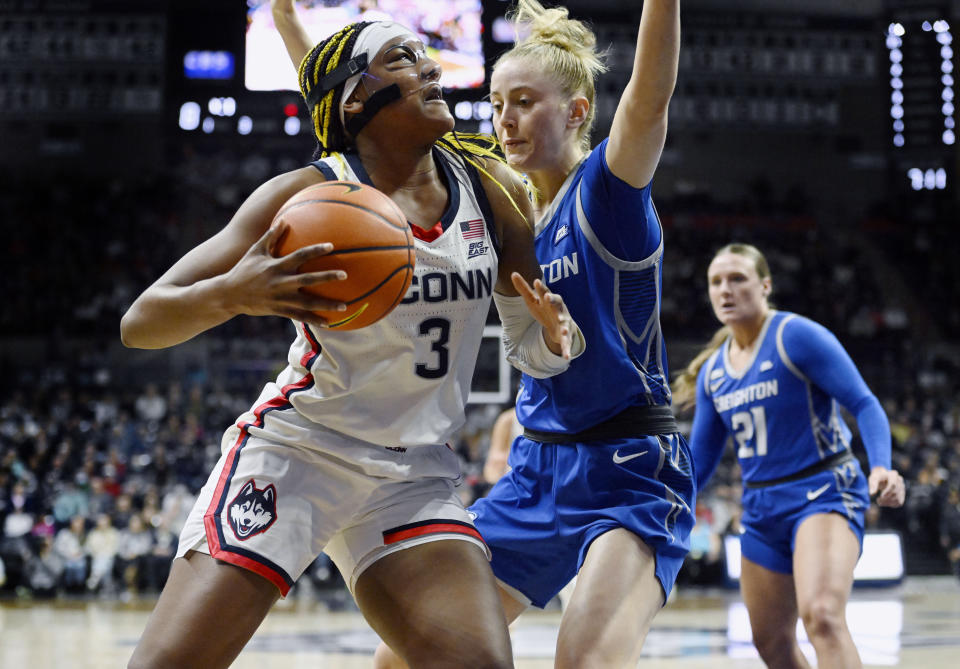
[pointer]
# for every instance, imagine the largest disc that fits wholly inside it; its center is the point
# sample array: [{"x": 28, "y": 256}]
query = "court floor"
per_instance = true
[{"x": 916, "y": 624}]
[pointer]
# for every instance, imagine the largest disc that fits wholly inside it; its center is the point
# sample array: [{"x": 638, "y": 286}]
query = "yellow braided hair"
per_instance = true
[{"x": 326, "y": 56}]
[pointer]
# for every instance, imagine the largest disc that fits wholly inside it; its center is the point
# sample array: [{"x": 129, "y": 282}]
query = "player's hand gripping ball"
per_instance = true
[{"x": 371, "y": 240}]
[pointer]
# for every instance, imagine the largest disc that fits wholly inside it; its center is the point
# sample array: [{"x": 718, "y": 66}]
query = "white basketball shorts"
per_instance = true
[{"x": 280, "y": 496}]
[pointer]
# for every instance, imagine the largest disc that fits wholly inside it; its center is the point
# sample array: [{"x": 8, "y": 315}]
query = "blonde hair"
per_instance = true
[
  {"x": 563, "y": 47},
  {"x": 685, "y": 384}
]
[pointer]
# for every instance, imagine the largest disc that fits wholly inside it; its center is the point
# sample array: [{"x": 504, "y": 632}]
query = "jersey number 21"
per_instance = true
[{"x": 747, "y": 426}]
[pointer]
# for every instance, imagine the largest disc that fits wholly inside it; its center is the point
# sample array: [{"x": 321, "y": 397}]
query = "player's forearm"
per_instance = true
[
  {"x": 874, "y": 431},
  {"x": 167, "y": 315},
  {"x": 294, "y": 35},
  {"x": 658, "y": 50}
]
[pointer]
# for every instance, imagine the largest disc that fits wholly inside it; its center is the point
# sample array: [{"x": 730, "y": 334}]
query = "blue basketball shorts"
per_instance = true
[
  {"x": 541, "y": 517},
  {"x": 771, "y": 515}
]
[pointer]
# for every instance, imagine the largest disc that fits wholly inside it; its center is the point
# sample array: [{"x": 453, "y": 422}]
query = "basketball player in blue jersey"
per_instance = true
[
  {"x": 600, "y": 485},
  {"x": 346, "y": 451},
  {"x": 600, "y": 482},
  {"x": 772, "y": 382}
]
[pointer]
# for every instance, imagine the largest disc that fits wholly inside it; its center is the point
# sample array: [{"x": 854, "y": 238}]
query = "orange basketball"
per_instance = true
[{"x": 371, "y": 241}]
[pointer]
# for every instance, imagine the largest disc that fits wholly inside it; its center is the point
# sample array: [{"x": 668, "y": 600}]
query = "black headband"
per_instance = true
[{"x": 333, "y": 79}]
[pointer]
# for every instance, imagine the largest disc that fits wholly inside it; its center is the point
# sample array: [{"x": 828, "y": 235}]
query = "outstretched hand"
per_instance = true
[
  {"x": 887, "y": 486},
  {"x": 550, "y": 311},
  {"x": 265, "y": 285}
]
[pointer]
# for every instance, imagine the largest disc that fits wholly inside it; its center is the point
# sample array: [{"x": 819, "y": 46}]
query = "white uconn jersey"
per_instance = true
[{"x": 404, "y": 380}]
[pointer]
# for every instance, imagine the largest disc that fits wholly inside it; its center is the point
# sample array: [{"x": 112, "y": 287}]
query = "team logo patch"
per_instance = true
[
  {"x": 476, "y": 249},
  {"x": 253, "y": 510},
  {"x": 765, "y": 365},
  {"x": 562, "y": 232}
]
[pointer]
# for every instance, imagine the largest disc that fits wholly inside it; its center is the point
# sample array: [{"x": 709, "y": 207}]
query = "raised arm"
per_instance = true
[
  {"x": 291, "y": 30},
  {"x": 640, "y": 124},
  {"x": 234, "y": 272}
]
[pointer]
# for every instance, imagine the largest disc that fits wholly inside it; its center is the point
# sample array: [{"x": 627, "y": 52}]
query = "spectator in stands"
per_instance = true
[
  {"x": 176, "y": 506},
  {"x": 950, "y": 528},
  {"x": 68, "y": 546},
  {"x": 703, "y": 564},
  {"x": 18, "y": 521},
  {"x": 151, "y": 406},
  {"x": 156, "y": 565},
  {"x": 44, "y": 570},
  {"x": 134, "y": 546},
  {"x": 123, "y": 510},
  {"x": 71, "y": 500},
  {"x": 15, "y": 543},
  {"x": 923, "y": 505},
  {"x": 102, "y": 544},
  {"x": 99, "y": 500}
]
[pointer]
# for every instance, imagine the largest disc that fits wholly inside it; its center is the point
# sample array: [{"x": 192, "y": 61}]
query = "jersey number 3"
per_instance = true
[
  {"x": 747, "y": 426},
  {"x": 439, "y": 328}
]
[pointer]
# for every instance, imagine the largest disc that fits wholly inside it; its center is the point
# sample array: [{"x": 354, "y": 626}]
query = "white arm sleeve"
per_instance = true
[{"x": 524, "y": 343}]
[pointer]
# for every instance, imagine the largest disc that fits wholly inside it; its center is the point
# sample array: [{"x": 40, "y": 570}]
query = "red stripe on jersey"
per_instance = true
[
  {"x": 392, "y": 537},
  {"x": 427, "y": 235},
  {"x": 281, "y": 401},
  {"x": 309, "y": 356}
]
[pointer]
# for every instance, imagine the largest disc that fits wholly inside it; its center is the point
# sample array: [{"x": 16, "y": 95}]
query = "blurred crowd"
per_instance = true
[{"x": 100, "y": 462}]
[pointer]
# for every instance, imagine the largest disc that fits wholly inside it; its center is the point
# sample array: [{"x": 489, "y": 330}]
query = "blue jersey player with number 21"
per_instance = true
[{"x": 772, "y": 380}]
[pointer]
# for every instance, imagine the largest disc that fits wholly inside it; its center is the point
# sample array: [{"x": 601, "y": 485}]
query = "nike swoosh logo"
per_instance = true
[
  {"x": 813, "y": 494},
  {"x": 619, "y": 459}
]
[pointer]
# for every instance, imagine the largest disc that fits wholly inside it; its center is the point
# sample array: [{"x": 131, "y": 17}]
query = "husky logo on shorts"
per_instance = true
[{"x": 253, "y": 510}]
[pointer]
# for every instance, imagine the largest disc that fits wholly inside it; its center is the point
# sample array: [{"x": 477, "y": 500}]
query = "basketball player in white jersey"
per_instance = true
[
  {"x": 601, "y": 484},
  {"x": 345, "y": 452}
]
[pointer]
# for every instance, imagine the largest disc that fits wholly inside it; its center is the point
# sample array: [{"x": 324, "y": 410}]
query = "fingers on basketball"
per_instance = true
[{"x": 371, "y": 241}]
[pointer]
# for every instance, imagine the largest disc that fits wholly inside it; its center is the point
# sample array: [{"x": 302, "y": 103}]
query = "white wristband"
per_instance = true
[{"x": 524, "y": 343}]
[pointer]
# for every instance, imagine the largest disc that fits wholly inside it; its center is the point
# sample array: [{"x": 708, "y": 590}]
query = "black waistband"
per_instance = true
[
  {"x": 816, "y": 468},
  {"x": 630, "y": 423}
]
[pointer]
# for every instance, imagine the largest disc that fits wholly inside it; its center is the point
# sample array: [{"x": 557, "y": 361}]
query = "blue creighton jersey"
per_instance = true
[
  {"x": 600, "y": 247},
  {"x": 780, "y": 409}
]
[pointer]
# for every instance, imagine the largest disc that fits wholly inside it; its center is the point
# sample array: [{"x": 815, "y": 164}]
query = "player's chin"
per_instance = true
[{"x": 439, "y": 112}]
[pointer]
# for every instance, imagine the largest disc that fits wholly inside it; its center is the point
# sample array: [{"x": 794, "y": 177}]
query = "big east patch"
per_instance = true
[{"x": 253, "y": 510}]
